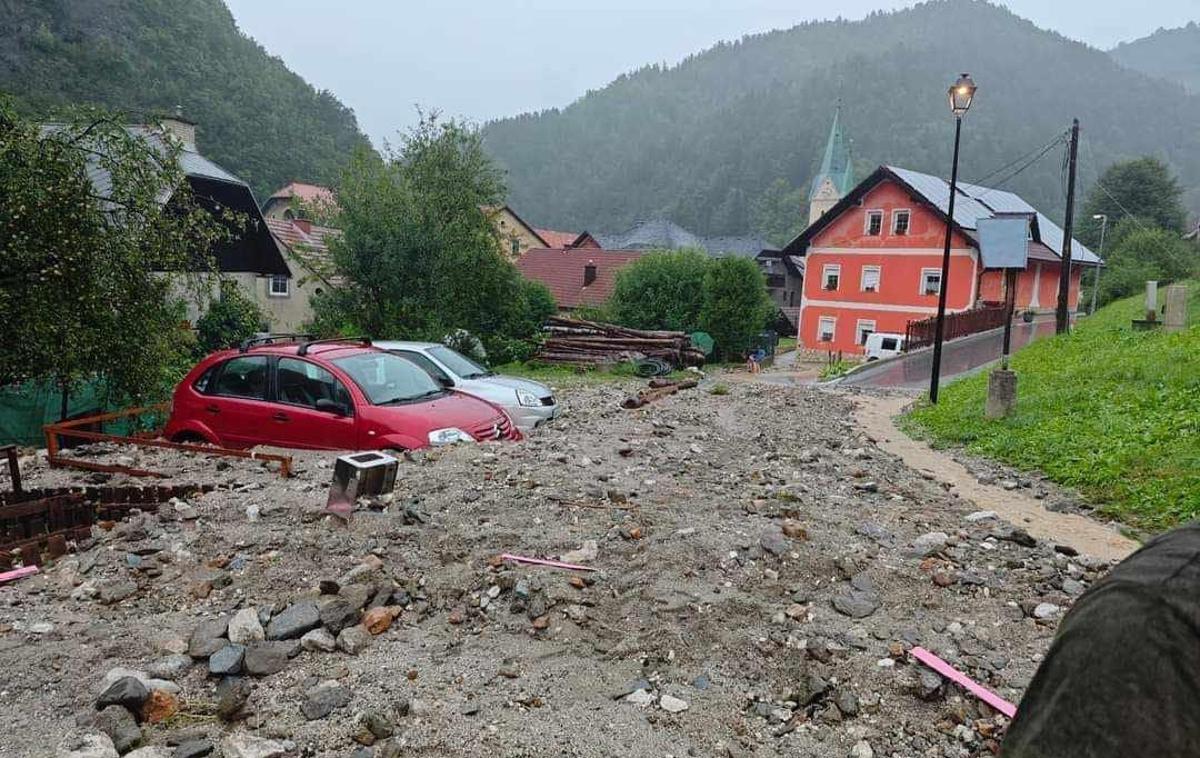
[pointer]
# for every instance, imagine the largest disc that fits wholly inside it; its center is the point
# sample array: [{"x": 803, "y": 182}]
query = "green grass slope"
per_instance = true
[{"x": 1109, "y": 411}]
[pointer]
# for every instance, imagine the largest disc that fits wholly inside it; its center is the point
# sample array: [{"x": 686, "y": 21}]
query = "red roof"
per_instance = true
[
  {"x": 567, "y": 239},
  {"x": 562, "y": 270},
  {"x": 306, "y": 242},
  {"x": 309, "y": 193}
]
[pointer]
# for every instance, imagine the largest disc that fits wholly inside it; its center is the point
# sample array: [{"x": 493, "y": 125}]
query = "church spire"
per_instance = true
[{"x": 836, "y": 175}]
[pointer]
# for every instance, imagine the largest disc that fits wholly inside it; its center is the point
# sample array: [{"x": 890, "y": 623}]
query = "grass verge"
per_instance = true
[{"x": 1109, "y": 411}]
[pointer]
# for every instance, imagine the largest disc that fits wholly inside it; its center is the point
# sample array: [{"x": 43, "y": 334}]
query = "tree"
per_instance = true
[
  {"x": 1141, "y": 252},
  {"x": 229, "y": 320},
  {"x": 736, "y": 304},
  {"x": 419, "y": 257},
  {"x": 661, "y": 290},
  {"x": 1144, "y": 188},
  {"x": 78, "y": 288},
  {"x": 780, "y": 213}
]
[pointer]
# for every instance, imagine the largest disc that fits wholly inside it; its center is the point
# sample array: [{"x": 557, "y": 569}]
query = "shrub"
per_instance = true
[
  {"x": 736, "y": 304},
  {"x": 229, "y": 320},
  {"x": 661, "y": 290}
]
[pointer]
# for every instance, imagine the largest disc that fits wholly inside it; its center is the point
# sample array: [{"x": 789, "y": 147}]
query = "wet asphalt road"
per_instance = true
[{"x": 958, "y": 357}]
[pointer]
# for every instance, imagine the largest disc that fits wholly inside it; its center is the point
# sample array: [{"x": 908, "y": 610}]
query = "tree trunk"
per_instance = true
[{"x": 64, "y": 386}]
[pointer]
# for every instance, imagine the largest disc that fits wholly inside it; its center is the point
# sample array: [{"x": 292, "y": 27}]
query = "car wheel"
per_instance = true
[{"x": 190, "y": 438}]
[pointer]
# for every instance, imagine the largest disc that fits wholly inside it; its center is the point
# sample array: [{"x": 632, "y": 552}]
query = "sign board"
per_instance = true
[{"x": 1004, "y": 241}]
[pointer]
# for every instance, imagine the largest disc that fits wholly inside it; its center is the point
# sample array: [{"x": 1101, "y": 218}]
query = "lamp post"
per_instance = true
[
  {"x": 1103, "y": 219},
  {"x": 961, "y": 94}
]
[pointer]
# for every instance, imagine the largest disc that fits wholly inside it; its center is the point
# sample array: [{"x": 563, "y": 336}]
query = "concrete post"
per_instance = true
[
  {"x": 1002, "y": 394},
  {"x": 1176, "y": 316},
  {"x": 1152, "y": 301}
]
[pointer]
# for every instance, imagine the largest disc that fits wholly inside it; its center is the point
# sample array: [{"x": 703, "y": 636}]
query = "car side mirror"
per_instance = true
[
  {"x": 332, "y": 406},
  {"x": 445, "y": 381}
]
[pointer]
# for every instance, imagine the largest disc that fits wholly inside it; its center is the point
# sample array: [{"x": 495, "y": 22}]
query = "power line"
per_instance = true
[
  {"x": 1023, "y": 167},
  {"x": 1058, "y": 138}
]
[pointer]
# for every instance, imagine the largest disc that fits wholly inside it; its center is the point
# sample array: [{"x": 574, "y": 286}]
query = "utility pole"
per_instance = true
[{"x": 1063, "y": 316}]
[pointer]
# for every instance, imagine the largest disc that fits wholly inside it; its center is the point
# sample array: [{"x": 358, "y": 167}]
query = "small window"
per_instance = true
[
  {"x": 280, "y": 286},
  {"x": 516, "y": 246},
  {"x": 870, "y": 278},
  {"x": 201, "y": 384},
  {"x": 900, "y": 221},
  {"x": 863, "y": 329},
  {"x": 244, "y": 377},
  {"x": 304, "y": 383},
  {"x": 429, "y": 366},
  {"x": 887, "y": 343},
  {"x": 831, "y": 275},
  {"x": 874, "y": 223},
  {"x": 826, "y": 328},
  {"x": 931, "y": 281}
]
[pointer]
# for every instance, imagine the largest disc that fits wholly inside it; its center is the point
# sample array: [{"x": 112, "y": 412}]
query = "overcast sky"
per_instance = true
[{"x": 484, "y": 59}]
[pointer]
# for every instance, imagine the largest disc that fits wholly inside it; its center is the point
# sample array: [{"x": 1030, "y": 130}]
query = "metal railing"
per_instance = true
[{"x": 921, "y": 333}]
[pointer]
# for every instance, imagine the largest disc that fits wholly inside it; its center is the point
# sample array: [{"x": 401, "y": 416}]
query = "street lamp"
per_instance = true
[
  {"x": 1103, "y": 219},
  {"x": 961, "y": 93}
]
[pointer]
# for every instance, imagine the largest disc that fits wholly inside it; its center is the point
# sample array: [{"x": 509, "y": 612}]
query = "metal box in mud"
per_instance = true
[{"x": 360, "y": 474}]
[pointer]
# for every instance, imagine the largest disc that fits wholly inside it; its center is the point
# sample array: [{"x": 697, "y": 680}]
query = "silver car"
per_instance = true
[{"x": 530, "y": 404}]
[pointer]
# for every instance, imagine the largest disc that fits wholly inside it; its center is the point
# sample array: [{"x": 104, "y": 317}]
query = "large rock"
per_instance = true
[
  {"x": 89, "y": 746},
  {"x": 321, "y": 700},
  {"x": 249, "y": 746},
  {"x": 265, "y": 658},
  {"x": 155, "y": 751},
  {"x": 928, "y": 544},
  {"x": 340, "y": 613},
  {"x": 194, "y": 749},
  {"x": 118, "y": 723},
  {"x": 126, "y": 691},
  {"x": 169, "y": 667},
  {"x": 116, "y": 590},
  {"x": 208, "y": 637},
  {"x": 245, "y": 627},
  {"x": 232, "y": 694},
  {"x": 354, "y": 640},
  {"x": 773, "y": 541},
  {"x": 319, "y": 639},
  {"x": 227, "y": 660},
  {"x": 856, "y": 604},
  {"x": 294, "y": 621}
]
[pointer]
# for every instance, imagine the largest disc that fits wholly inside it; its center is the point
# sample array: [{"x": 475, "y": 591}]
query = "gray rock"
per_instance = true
[
  {"x": 245, "y": 627},
  {"x": 388, "y": 749},
  {"x": 208, "y": 637},
  {"x": 774, "y": 541},
  {"x": 266, "y": 658},
  {"x": 322, "y": 700},
  {"x": 354, "y": 640},
  {"x": 856, "y": 604},
  {"x": 811, "y": 688},
  {"x": 846, "y": 702},
  {"x": 640, "y": 698},
  {"x": 862, "y": 749},
  {"x": 152, "y": 751},
  {"x": 1073, "y": 587},
  {"x": 672, "y": 704},
  {"x": 116, "y": 590},
  {"x": 118, "y": 723},
  {"x": 928, "y": 544},
  {"x": 357, "y": 595},
  {"x": 232, "y": 694},
  {"x": 378, "y": 724},
  {"x": 294, "y": 621},
  {"x": 89, "y": 746},
  {"x": 930, "y": 684},
  {"x": 249, "y": 746},
  {"x": 1046, "y": 611},
  {"x": 126, "y": 691},
  {"x": 338, "y": 614},
  {"x": 977, "y": 516},
  {"x": 169, "y": 667},
  {"x": 227, "y": 660},
  {"x": 194, "y": 749},
  {"x": 319, "y": 640}
]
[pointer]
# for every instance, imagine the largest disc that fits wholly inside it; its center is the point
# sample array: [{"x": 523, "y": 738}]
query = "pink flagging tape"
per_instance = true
[
  {"x": 20, "y": 573},
  {"x": 956, "y": 676},
  {"x": 543, "y": 562}
]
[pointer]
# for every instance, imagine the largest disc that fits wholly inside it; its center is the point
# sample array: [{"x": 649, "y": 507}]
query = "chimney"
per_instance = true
[
  {"x": 181, "y": 128},
  {"x": 304, "y": 224},
  {"x": 589, "y": 273}
]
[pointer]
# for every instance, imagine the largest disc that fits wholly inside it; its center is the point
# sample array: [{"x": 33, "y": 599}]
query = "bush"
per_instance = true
[
  {"x": 1140, "y": 253},
  {"x": 229, "y": 320},
  {"x": 661, "y": 290},
  {"x": 736, "y": 304}
]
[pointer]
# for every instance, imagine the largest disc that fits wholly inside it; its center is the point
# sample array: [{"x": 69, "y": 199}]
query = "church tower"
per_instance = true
[{"x": 836, "y": 176}]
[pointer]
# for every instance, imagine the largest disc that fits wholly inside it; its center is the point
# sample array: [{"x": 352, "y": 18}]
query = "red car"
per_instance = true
[{"x": 325, "y": 394}]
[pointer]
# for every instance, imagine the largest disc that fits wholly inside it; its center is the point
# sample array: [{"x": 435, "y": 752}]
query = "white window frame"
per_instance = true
[
  {"x": 828, "y": 269},
  {"x": 859, "y": 338},
  {"x": 896, "y": 219},
  {"x": 832, "y": 320},
  {"x": 287, "y": 286},
  {"x": 921, "y": 284},
  {"x": 862, "y": 279},
  {"x": 867, "y": 222}
]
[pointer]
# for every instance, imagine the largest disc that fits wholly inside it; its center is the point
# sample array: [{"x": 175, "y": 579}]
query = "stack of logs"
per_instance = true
[{"x": 588, "y": 343}]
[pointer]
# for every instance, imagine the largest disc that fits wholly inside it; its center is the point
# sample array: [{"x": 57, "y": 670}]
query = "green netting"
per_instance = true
[
  {"x": 25, "y": 408},
  {"x": 703, "y": 341}
]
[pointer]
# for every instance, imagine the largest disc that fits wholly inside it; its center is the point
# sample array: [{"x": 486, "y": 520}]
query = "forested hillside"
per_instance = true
[
  {"x": 1172, "y": 54},
  {"x": 702, "y": 141},
  {"x": 145, "y": 57}
]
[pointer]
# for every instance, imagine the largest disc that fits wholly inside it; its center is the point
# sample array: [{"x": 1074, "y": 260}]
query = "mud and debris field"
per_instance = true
[{"x": 762, "y": 571}]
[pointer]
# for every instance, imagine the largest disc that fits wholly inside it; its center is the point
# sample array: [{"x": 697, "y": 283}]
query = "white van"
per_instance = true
[{"x": 883, "y": 345}]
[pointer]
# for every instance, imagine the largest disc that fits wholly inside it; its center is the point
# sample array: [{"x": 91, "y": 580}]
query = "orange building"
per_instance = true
[{"x": 873, "y": 261}]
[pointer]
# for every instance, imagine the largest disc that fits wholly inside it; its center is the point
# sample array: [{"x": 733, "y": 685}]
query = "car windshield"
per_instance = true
[
  {"x": 459, "y": 363},
  {"x": 385, "y": 378}
]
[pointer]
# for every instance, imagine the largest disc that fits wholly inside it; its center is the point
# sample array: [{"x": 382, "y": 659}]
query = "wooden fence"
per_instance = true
[{"x": 920, "y": 333}]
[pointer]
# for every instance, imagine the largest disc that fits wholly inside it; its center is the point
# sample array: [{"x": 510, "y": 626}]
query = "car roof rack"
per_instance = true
[
  {"x": 365, "y": 341},
  {"x": 271, "y": 339}
]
